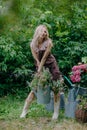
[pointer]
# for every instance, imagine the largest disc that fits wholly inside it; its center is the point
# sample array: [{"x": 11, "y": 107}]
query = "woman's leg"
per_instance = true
[
  {"x": 28, "y": 101},
  {"x": 56, "y": 106},
  {"x": 56, "y": 75}
]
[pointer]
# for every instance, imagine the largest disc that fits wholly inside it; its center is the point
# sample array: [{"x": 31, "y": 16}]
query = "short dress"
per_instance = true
[{"x": 50, "y": 61}]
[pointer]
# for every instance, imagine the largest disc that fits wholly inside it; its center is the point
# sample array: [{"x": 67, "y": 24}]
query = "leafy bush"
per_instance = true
[
  {"x": 14, "y": 64},
  {"x": 67, "y": 28}
]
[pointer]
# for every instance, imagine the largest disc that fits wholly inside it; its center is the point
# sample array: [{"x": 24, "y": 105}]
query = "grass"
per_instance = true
[{"x": 37, "y": 119}]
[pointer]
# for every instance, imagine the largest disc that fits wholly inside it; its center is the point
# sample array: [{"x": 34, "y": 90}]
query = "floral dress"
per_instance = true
[{"x": 50, "y": 61}]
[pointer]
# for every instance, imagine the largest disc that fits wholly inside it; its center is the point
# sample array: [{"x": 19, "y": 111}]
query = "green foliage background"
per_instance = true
[{"x": 67, "y": 24}]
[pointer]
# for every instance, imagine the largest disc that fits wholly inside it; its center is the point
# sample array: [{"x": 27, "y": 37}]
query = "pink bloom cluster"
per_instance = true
[{"x": 77, "y": 71}]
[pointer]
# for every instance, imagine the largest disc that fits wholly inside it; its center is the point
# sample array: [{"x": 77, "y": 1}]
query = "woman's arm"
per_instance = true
[
  {"x": 48, "y": 49},
  {"x": 35, "y": 56}
]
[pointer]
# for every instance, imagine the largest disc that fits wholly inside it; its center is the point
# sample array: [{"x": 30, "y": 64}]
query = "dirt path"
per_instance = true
[{"x": 41, "y": 123}]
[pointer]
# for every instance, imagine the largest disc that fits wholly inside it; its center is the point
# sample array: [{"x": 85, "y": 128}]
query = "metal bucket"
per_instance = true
[{"x": 43, "y": 95}]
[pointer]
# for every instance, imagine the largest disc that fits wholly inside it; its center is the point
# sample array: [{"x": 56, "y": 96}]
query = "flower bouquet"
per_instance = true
[
  {"x": 41, "y": 84},
  {"x": 57, "y": 86},
  {"x": 79, "y": 75},
  {"x": 43, "y": 79}
]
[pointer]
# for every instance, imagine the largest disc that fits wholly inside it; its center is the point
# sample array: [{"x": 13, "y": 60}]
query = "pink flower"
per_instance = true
[
  {"x": 83, "y": 67},
  {"x": 77, "y": 78},
  {"x": 77, "y": 72},
  {"x": 72, "y": 77},
  {"x": 75, "y": 68}
]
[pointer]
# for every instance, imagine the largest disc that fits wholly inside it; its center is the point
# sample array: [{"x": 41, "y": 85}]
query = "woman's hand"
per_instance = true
[
  {"x": 38, "y": 64},
  {"x": 39, "y": 69}
]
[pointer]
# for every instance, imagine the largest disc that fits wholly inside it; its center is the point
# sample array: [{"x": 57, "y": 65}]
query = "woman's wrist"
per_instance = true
[{"x": 38, "y": 63}]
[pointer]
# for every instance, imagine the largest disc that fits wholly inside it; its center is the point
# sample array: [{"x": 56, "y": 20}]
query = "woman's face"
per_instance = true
[{"x": 43, "y": 34}]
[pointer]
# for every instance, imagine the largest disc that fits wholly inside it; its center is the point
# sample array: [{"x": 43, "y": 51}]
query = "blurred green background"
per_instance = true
[{"x": 67, "y": 24}]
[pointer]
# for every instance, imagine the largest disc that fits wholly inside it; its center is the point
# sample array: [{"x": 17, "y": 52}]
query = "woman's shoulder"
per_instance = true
[
  {"x": 33, "y": 47},
  {"x": 49, "y": 41}
]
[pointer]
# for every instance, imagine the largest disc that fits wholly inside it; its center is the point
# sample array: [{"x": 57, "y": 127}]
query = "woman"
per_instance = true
[{"x": 41, "y": 50}]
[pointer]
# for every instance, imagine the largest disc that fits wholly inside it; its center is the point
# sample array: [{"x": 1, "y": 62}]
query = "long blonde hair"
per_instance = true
[{"x": 37, "y": 34}]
